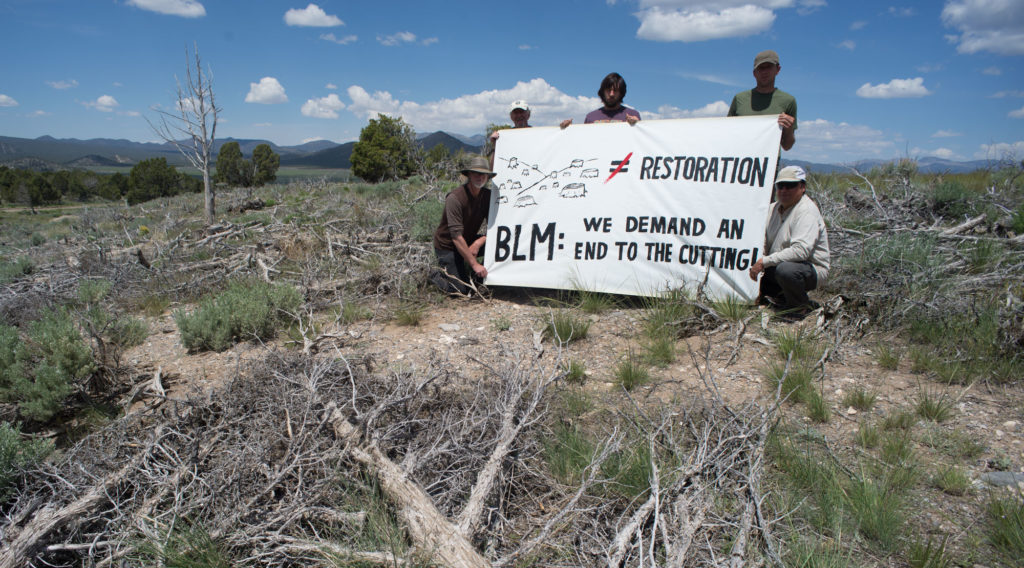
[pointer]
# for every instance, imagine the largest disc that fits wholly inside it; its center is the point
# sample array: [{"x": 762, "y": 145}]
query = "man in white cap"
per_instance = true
[
  {"x": 457, "y": 242},
  {"x": 519, "y": 112},
  {"x": 765, "y": 99},
  {"x": 796, "y": 246}
]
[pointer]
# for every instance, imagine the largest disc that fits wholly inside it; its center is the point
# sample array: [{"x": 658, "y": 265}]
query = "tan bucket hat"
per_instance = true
[{"x": 479, "y": 165}]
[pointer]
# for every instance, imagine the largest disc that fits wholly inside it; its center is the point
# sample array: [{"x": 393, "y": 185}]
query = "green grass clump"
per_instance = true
[
  {"x": 1006, "y": 525},
  {"x": 187, "y": 546},
  {"x": 954, "y": 443},
  {"x": 817, "y": 407},
  {"x": 952, "y": 480},
  {"x": 663, "y": 313},
  {"x": 351, "y": 312},
  {"x": 888, "y": 357},
  {"x": 876, "y": 510},
  {"x": 661, "y": 350},
  {"x": 867, "y": 436},
  {"x": 796, "y": 381},
  {"x": 425, "y": 214},
  {"x": 575, "y": 371},
  {"x": 731, "y": 308},
  {"x": 860, "y": 399},
  {"x": 565, "y": 327},
  {"x": 17, "y": 454},
  {"x": 631, "y": 372},
  {"x": 595, "y": 302},
  {"x": 567, "y": 452},
  {"x": 410, "y": 314},
  {"x": 629, "y": 470},
  {"x": 39, "y": 373},
  {"x": 902, "y": 420},
  {"x": 928, "y": 554},
  {"x": 934, "y": 406},
  {"x": 154, "y": 305},
  {"x": 953, "y": 199},
  {"x": 502, "y": 323},
  {"x": 253, "y": 310}
]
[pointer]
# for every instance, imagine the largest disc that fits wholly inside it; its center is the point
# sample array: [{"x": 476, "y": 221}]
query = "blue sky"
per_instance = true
[{"x": 872, "y": 79}]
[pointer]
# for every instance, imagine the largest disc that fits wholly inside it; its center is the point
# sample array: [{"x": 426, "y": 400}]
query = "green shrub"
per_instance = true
[
  {"x": 9, "y": 271},
  {"x": 501, "y": 323},
  {"x": 410, "y": 314},
  {"x": 39, "y": 373},
  {"x": 253, "y": 310},
  {"x": 1017, "y": 222},
  {"x": 426, "y": 214},
  {"x": 952, "y": 199},
  {"x": 17, "y": 454},
  {"x": 575, "y": 371}
]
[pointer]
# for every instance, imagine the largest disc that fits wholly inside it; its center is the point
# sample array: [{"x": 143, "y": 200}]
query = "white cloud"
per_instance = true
[
  {"x": 526, "y": 47},
  {"x": 313, "y": 139},
  {"x": 944, "y": 153},
  {"x": 986, "y": 25},
  {"x": 267, "y": 92},
  {"x": 717, "y": 108},
  {"x": 326, "y": 107},
  {"x": 1019, "y": 113},
  {"x": 129, "y": 113},
  {"x": 61, "y": 85},
  {"x": 1004, "y": 94},
  {"x": 473, "y": 112},
  {"x": 858, "y": 25},
  {"x": 6, "y": 101},
  {"x": 183, "y": 8},
  {"x": 1001, "y": 150},
  {"x": 663, "y": 24},
  {"x": 397, "y": 38},
  {"x": 895, "y": 89},
  {"x": 929, "y": 67},
  {"x": 992, "y": 71},
  {"x": 711, "y": 79},
  {"x": 104, "y": 103},
  {"x": 339, "y": 40},
  {"x": 820, "y": 140},
  {"x": 429, "y": 41},
  {"x": 331, "y": 86},
  {"x": 946, "y": 134},
  {"x": 38, "y": 113},
  {"x": 901, "y": 12},
  {"x": 848, "y": 44},
  {"x": 312, "y": 16}
]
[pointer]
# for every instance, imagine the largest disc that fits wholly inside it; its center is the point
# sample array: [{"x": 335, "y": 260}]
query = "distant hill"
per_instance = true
[{"x": 47, "y": 153}]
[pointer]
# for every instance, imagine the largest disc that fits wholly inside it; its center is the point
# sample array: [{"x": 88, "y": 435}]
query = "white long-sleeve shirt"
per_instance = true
[{"x": 797, "y": 235}]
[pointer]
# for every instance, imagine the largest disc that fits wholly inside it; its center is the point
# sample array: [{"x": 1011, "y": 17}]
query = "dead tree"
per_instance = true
[{"x": 193, "y": 125}]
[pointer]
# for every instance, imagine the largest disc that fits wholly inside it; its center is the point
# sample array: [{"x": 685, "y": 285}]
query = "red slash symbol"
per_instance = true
[{"x": 622, "y": 164}]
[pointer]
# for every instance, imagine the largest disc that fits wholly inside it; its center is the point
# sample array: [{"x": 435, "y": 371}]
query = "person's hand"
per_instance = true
[
  {"x": 786, "y": 121},
  {"x": 632, "y": 120},
  {"x": 494, "y": 135},
  {"x": 756, "y": 268},
  {"x": 480, "y": 271},
  {"x": 565, "y": 123}
]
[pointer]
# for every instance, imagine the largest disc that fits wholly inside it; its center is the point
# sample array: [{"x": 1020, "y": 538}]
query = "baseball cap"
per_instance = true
[
  {"x": 766, "y": 56},
  {"x": 791, "y": 174},
  {"x": 518, "y": 104}
]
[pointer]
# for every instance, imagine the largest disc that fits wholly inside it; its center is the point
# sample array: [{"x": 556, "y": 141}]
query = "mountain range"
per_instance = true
[{"x": 49, "y": 153}]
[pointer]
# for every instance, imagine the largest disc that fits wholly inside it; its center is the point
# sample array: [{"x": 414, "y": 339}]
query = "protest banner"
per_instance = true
[{"x": 633, "y": 209}]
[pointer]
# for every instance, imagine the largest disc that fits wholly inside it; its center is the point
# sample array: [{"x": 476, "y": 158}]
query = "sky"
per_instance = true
[{"x": 872, "y": 79}]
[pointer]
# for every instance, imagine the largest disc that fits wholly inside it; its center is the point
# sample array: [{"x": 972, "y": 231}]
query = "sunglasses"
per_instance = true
[{"x": 787, "y": 184}]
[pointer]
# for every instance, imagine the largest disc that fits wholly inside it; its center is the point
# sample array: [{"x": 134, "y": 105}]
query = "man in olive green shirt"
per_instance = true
[{"x": 765, "y": 99}]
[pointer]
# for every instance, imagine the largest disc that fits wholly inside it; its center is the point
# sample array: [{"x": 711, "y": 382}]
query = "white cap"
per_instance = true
[
  {"x": 791, "y": 174},
  {"x": 519, "y": 104}
]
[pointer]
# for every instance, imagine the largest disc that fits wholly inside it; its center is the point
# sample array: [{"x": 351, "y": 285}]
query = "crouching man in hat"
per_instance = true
[
  {"x": 456, "y": 241},
  {"x": 796, "y": 244}
]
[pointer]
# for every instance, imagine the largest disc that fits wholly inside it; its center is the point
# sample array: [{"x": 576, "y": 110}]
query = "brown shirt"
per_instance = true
[{"x": 463, "y": 215}]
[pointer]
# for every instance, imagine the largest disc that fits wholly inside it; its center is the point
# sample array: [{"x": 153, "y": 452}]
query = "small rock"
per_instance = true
[
  {"x": 449, "y": 327},
  {"x": 1010, "y": 424},
  {"x": 851, "y": 411},
  {"x": 1002, "y": 478},
  {"x": 446, "y": 340}
]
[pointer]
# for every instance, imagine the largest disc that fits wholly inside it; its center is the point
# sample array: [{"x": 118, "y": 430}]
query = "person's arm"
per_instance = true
[
  {"x": 788, "y": 124},
  {"x": 469, "y": 253},
  {"x": 565, "y": 123}
]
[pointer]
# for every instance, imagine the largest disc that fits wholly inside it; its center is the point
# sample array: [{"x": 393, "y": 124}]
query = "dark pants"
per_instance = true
[
  {"x": 792, "y": 280},
  {"x": 454, "y": 273}
]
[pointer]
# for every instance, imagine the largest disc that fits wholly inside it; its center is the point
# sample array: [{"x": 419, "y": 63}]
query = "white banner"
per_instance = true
[{"x": 633, "y": 209}]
